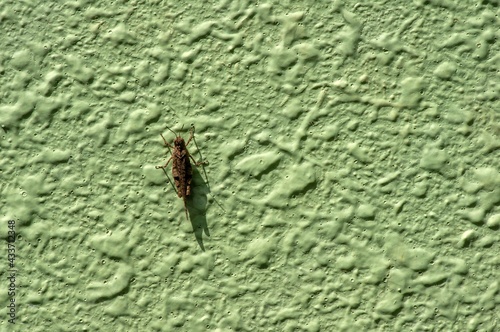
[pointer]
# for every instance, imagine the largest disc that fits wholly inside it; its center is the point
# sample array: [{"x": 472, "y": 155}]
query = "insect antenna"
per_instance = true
[
  {"x": 172, "y": 131},
  {"x": 175, "y": 111}
]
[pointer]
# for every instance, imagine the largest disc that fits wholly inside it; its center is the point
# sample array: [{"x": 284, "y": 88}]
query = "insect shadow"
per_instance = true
[{"x": 197, "y": 207}]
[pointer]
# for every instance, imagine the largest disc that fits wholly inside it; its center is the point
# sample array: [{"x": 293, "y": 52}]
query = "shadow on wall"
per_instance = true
[{"x": 197, "y": 207}]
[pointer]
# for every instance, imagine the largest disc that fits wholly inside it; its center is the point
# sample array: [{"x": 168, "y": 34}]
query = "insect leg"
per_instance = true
[
  {"x": 198, "y": 163},
  {"x": 164, "y": 166},
  {"x": 166, "y": 143},
  {"x": 191, "y": 136}
]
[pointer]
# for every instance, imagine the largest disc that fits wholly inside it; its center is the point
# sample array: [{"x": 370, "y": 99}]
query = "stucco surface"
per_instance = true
[{"x": 353, "y": 181}]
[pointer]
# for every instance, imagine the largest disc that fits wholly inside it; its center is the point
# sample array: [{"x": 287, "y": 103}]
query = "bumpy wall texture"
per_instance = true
[{"x": 353, "y": 180}]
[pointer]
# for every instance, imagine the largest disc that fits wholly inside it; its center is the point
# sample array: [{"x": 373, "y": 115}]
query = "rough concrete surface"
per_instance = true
[{"x": 353, "y": 181}]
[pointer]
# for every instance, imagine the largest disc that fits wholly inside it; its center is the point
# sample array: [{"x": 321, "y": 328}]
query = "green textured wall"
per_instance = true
[{"x": 354, "y": 176}]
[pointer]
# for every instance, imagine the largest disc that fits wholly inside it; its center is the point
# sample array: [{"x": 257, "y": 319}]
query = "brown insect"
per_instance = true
[{"x": 182, "y": 170}]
